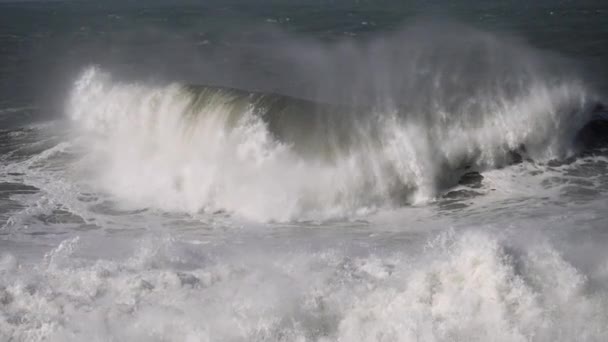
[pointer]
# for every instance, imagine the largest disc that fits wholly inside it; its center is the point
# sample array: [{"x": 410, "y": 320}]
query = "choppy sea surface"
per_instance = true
[{"x": 303, "y": 171}]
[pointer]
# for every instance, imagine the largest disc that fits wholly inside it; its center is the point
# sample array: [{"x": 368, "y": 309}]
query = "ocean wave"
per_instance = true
[{"x": 272, "y": 157}]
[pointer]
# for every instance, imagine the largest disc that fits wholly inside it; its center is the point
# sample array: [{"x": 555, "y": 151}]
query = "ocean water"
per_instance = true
[{"x": 303, "y": 171}]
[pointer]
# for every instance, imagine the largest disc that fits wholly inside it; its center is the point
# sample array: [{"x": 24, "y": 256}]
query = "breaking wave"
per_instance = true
[{"x": 272, "y": 157}]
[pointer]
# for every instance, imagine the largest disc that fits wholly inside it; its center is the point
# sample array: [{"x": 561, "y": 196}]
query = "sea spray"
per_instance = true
[{"x": 470, "y": 103}]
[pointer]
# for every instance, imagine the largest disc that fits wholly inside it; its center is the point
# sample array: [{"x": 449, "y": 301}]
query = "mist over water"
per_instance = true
[
  {"x": 424, "y": 108},
  {"x": 273, "y": 172}
]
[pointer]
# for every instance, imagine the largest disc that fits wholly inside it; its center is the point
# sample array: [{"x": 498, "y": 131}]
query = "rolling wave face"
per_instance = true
[{"x": 272, "y": 157}]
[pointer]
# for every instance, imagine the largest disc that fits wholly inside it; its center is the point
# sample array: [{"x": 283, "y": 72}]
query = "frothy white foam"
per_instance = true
[{"x": 462, "y": 287}]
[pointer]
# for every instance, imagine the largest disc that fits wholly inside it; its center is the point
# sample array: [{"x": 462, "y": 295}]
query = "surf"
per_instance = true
[{"x": 421, "y": 115}]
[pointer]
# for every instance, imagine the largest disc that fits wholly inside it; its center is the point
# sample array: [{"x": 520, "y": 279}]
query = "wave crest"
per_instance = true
[{"x": 272, "y": 157}]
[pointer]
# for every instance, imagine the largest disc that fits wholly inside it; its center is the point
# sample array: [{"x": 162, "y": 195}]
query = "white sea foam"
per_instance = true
[{"x": 465, "y": 286}]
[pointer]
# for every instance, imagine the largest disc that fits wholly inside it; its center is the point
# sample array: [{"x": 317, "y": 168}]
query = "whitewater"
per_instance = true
[{"x": 427, "y": 181}]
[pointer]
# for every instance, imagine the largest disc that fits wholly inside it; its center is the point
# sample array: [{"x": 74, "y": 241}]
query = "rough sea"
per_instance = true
[{"x": 310, "y": 170}]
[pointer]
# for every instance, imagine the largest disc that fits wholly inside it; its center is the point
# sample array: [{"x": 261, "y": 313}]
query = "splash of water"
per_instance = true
[{"x": 271, "y": 157}]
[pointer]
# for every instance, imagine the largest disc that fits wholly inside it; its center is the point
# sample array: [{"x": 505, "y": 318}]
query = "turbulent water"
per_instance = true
[{"x": 315, "y": 171}]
